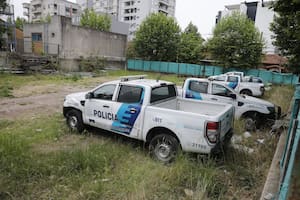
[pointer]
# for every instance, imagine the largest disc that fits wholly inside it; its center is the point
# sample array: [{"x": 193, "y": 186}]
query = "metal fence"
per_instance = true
[
  {"x": 207, "y": 70},
  {"x": 287, "y": 163}
]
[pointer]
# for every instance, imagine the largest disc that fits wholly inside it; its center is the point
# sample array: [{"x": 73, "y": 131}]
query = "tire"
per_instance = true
[
  {"x": 246, "y": 92},
  {"x": 164, "y": 148},
  {"x": 74, "y": 121},
  {"x": 250, "y": 124}
]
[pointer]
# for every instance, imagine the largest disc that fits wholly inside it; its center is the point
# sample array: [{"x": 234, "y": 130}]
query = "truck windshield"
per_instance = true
[{"x": 162, "y": 92}]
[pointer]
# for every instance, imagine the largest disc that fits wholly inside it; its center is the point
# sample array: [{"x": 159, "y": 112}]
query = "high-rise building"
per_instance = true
[
  {"x": 132, "y": 12},
  {"x": 261, "y": 14},
  {"x": 40, "y": 9}
]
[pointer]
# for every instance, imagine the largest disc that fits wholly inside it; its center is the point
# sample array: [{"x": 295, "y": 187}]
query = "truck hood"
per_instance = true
[
  {"x": 253, "y": 100},
  {"x": 79, "y": 96}
]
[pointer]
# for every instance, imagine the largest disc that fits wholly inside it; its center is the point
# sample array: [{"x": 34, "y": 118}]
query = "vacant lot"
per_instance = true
[{"x": 41, "y": 159}]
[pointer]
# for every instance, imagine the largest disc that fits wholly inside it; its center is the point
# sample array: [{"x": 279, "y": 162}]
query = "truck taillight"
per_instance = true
[{"x": 212, "y": 131}]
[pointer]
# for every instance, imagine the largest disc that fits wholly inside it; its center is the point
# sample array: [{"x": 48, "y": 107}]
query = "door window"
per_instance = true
[
  {"x": 130, "y": 94},
  {"x": 162, "y": 92},
  {"x": 220, "y": 78},
  {"x": 200, "y": 87},
  {"x": 233, "y": 79},
  {"x": 220, "y": 90},
  {"x": 105, "y": 92}
]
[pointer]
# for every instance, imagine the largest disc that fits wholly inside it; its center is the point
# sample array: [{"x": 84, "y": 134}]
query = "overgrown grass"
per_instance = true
[
  {"x": 107, "y": 168},
  {"x": 280, "y": 95},
  {"x": 41, "y": 159}
]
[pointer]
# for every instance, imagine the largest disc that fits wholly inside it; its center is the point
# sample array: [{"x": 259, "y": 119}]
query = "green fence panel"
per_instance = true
[
  {"x": 173, "y": 68},
  {"x": 193, "y": 69},
  {"x": 277, "y": 78},
  {"x": 164, "y": 67},
  {"x": 218, "y": 70},
  {"x": 130, "y": 64},
  {"x": 155, "y": 66},
  {"x": 139, "y": 65},
  {"x": 287, "y": 78},
  {"x": 204, "y": 70},
  {"x": 252, "y": 72},
  {"x": 147, "y": 66},
  {"x": 209, "y": 70},
  {"x": 295, "y": 79},
  {"x": 182, "y": 68},
  {"x": 266, "y": 75}
]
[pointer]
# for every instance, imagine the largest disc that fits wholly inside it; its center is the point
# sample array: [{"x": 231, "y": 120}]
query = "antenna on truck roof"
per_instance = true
[{"x": 129, "y": 78}]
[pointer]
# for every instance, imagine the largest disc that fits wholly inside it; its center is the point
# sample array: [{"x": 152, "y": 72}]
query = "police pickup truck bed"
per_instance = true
[{"x": 150, "y": 110}]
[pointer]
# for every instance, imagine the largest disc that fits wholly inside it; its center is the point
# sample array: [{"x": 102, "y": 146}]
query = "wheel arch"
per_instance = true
[
  {"x": 246, "y": 90},
  {"x": 158, "y": 130},
  {"x": 68, "y": 109}
]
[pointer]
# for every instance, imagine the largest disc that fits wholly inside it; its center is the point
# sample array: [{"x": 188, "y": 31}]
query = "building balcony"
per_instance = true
[
  {"x": 36, "y": 2},
  {"x": 26, "y": 5},
  {"x": 36, "y": 10},
  {"x": 164, "y": 1},
  {"x": 8, "y": 10}
]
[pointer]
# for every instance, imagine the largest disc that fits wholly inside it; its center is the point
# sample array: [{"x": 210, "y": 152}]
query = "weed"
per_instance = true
[{"x": 6, "y": 90}]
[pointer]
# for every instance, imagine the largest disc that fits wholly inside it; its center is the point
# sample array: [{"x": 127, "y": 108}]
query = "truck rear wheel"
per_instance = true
[
  {"x": 246, "y": 92},
  {"x": 74, "y": 121},
  {"x": 164, "y": 148}
]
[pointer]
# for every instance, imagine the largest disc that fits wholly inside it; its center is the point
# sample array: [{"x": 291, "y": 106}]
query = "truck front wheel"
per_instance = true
[
  {"x": 164, "y": 148},
  {"x": 74, "y": 121}
]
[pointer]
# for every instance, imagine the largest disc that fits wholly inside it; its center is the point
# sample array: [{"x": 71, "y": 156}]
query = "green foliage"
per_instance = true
[
  {"x": 6, "y": 90},
  {"x": 236, "y": 42},
  {"x": 191, "y": 45},
  {"x": 130, "y": 51},
  {"x": 91, "y": 19},
  {"x": 286, "y": 27},
  {"x": 157, "y": 38},
  {"x": 20, "y": 22},
  {"x": 91, "y": 64}
]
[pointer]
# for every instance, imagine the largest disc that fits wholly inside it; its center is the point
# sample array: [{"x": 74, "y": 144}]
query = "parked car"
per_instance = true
[
  {"x": 256, "y": 111},
  {"x": 151, "y": 111},
  {"x": 236, "y": 83}
]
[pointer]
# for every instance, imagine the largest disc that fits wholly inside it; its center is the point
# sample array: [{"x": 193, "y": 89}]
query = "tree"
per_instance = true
[
  {"x": 91, "y": 19},
  {"x": 157, "y": 38},
  {"x": 236, "y": 42},
  {"x": 286, "y": 27},
  {"x": 20, "y": 22},
  {"x": 191, "y": 45},
  {"x": 3, "y": 5}
]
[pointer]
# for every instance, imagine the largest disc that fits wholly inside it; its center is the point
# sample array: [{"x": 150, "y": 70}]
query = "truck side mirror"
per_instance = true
[
  {"x": 89, "y": 95},
  {"x": 233, "y": 96}
]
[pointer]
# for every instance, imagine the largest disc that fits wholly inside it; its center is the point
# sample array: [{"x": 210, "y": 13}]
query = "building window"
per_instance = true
[{"x": 35, "y": 37}]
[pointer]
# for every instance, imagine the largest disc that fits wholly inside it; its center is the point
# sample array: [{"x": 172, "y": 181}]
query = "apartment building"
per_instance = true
[
  {"x": 100, "y": 6},
  {"x": 39, "y": 9},
  {"x": 132, "y": 12},
  {"x": 261, "y": 14}
]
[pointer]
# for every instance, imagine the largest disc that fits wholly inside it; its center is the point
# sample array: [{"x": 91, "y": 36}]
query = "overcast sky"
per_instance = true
[{"x": 201, "y": 13}]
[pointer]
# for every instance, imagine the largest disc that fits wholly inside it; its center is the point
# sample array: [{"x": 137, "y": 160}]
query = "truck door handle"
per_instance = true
[
  {"x": 105, "y": 106},
  {"x": 132, "y": 110},
  {"x": 214, "y": 99}
]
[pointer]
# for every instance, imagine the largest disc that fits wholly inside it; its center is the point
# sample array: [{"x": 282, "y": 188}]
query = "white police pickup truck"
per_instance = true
[
  {"x": 255, "y": 110},
  {"x": 150, "y": 110},
  {"x": 236, "y": 83}
]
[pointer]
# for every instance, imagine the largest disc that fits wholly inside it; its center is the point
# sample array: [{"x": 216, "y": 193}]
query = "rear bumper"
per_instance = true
[{"x": 222, "y": 144}]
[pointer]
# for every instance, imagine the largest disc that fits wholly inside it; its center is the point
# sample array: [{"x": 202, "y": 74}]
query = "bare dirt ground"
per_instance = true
[{"x": 34, "y": 100}]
